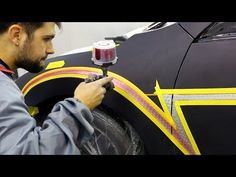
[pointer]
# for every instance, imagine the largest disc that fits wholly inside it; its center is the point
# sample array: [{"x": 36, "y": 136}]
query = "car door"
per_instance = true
[{"x": 204, "y": 100}]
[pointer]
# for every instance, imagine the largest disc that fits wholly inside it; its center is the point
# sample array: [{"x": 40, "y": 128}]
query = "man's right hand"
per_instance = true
[{"x": 91, "y": 94}]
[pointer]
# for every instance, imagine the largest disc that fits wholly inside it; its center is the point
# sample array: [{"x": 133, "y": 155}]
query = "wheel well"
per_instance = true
[
  {"x": 46, "y": 106},
  {"x": 124, "y": 123}
]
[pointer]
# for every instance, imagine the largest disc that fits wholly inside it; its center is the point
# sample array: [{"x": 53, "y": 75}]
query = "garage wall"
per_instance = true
[{"x": 77, "y": 34}]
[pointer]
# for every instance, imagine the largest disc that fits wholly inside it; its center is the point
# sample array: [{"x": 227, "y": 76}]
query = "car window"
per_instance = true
[{"x": 219, "y": 30}]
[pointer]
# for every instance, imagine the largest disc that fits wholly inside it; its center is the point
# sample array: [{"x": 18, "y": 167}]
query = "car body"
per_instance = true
[{"x": 174, "y": 83}]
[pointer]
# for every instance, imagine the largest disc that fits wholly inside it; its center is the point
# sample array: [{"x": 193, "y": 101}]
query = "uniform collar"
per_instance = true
[{"x": 5, "y": 69}]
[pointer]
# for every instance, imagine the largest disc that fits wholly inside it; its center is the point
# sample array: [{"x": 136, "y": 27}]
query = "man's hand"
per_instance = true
[{"x": 91, "y": 94}]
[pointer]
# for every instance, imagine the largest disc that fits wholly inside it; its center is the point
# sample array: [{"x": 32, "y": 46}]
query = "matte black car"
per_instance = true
[{"x": 175, "y": 90}]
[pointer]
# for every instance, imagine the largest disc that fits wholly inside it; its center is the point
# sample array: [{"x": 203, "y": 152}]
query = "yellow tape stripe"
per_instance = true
[
  {"x": 198, "y": 91},
  {"x": 131, "y": 99},
  {"x": 207, "y": 102},
  {"x": 159, "y": 93},
  {"x": 186, "y": 127},
  {"x": 139, "y": 92},
  {"x": 148, "y": 100},
  {"x": 151, "y": 94},
  {"x": 43, "y": 75},
  {"x": 153, "y": 119},
  {"x": 163, "y": 104},
  {"x": 55, "y": 64},
  {"x": 53, "y": 77},
  {"x": 180, "y": 103}
]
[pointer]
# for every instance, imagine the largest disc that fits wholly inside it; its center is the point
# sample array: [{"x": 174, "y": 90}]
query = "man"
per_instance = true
[{"x": 27, "y": 45}]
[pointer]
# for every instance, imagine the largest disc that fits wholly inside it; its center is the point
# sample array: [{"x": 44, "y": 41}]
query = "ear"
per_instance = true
[{"x": 14, "y": 33}]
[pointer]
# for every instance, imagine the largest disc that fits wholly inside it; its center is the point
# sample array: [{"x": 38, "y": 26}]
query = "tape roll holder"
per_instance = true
[{"x": 103, "y": 55}]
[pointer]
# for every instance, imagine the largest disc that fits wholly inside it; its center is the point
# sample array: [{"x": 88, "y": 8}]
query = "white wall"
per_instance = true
[{"x": 77, "y": 34}]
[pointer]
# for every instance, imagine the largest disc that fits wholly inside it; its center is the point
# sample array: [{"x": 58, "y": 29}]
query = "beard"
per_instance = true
[
  {"x": 29, "y": 65},
  {"x": 28, "y": 61}
]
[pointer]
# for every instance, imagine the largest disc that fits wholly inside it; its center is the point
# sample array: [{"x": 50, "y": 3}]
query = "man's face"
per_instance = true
[{"x": 34, "y": 51}]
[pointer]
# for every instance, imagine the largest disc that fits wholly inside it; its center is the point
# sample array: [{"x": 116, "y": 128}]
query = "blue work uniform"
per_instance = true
[{"x": 64, "y": 130}]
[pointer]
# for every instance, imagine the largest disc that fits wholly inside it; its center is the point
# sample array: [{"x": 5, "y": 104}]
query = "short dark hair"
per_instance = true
[{"x": 30, "y": 27}]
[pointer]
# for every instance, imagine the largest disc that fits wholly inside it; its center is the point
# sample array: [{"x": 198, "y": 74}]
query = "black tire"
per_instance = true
[{"x": 112, "y": 137}]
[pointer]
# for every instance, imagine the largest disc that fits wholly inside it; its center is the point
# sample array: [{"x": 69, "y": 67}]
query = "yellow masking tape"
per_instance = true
[{"x": 55, "y": 64}]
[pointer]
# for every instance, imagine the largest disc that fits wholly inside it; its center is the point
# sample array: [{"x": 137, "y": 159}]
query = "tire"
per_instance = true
[{"x": 112, "y": 137}]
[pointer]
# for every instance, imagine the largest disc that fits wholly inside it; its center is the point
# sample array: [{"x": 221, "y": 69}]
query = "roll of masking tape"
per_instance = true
[{"x": 104, "y": 53}]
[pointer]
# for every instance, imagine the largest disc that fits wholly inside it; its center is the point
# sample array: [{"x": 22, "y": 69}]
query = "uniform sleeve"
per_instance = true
[{"x": 67, "y": 126}]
